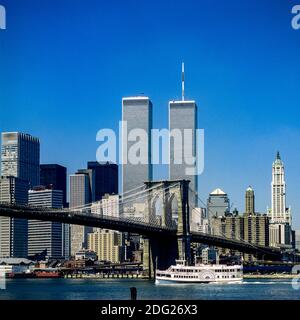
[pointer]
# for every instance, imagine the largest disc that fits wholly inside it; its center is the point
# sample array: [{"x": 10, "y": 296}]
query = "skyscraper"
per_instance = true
[
  {"x": 13, "y": 231},
  {"x": 106, "y": 178},
  {"x": 54, "y": 176},
  {"x": 20, "y": 157},
  {"x": 249, "y": 201},
  {"x": 91, "y": 183},
  {"x": 45, "y": 237},
  {"x": 256, "y": 231},
  {"x": 256, "y": 226},
  {"x": 108, "y": 244},
  {"x": 183, "y": 118},
  {"x": 136, "y": 114},
  {"x": 20, "y": 169},
  {"x": 79, "y": 196},
  {"x": 280, "y": 215},
  {"x": 217, "y": 204},
  {"x": 279, "y": 212}
]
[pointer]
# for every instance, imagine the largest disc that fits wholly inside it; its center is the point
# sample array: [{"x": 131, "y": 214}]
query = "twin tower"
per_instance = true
[{"x": 137, "y": 113}]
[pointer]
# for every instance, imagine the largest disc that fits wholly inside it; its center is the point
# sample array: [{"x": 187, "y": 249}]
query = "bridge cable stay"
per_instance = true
[
  {"x": 160, "y": 192},
  {"x": 88, "y": 205},
  {"x": 136, "y": 198},
  {"x": 156, "y": 187},
  {"x": 133, "y": 189}
]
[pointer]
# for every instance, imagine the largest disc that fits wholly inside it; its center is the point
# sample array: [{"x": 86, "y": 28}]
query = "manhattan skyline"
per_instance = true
[{"x": 245, "y": 81}]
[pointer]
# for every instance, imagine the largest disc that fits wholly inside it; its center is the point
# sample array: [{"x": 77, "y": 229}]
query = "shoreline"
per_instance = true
[{"x": 142, "y": 277}]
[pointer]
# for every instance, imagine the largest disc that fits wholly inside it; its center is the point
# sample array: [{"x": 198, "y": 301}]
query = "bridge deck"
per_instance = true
[{"x": 127, "y": 225}]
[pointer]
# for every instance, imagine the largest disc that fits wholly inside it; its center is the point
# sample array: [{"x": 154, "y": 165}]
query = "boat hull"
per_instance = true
[{"x": 162, "y": 281}]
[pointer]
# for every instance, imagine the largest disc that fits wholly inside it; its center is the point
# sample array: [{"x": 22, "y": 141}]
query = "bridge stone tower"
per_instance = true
[{"x": 161, "y": 252}]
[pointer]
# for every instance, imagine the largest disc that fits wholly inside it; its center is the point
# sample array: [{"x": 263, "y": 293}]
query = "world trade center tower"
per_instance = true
[
  {"x": 136, "y": 114},
  {"x": 183, "y": 116}
]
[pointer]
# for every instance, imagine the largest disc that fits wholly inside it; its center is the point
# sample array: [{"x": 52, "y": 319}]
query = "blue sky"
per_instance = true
[{"x": 65, "y": 66}]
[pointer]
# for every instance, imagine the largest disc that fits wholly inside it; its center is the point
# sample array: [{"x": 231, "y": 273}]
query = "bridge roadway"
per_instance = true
[{"x": 129, "y": 225}]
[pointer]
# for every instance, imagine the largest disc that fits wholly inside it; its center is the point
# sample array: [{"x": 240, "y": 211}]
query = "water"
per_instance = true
[{"x": 91, "y": 289}]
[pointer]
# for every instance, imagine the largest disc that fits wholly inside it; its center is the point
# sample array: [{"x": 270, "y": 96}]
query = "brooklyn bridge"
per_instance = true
[{"x": 164, "y": 227}]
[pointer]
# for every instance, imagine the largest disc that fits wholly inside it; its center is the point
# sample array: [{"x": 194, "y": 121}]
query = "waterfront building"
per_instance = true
[
  {"x": 15, "y": 265},
  {"x": 80, "y": 194},
  {"x": 256, "y": 231},
  {"x": 86, "y": 255},
  {"x": 108, "y": 206},
  {"x": 136, "y": 114},
  {"x": 45, "y": 238},
  {"x": 230, "y": 226},
  {"x": 183, "y": 118},
  {"x": 256, "y": 225},
  {"x": 106, "y": 178},
  {"x": 20, "y": 157},
  {"x": 217, "y": 204},
  {"x": 107, "y": 244},
  {"x": 280, "y": 216},
  {"x": 13, "y": 231},
  {"x": 54, "y": 176}
]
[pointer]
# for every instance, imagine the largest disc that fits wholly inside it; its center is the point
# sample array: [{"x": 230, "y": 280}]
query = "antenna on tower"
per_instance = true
[{"x": 182, "y": 80}]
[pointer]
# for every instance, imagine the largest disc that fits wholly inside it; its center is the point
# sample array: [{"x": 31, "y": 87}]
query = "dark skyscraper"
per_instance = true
[
  {"x": 54, "y": 176},
  {"x": 106, "y": 178}
]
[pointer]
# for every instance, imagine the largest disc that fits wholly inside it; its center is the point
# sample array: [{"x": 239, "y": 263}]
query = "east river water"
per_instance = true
[{"x": 98, "y": 289}]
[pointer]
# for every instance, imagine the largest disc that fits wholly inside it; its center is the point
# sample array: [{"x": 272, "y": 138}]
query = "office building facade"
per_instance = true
[
  {"x": 45, "y": 238},
  {"x": 136, "y": 114},
  {"x": 107, "y": 244},
  {"x": 183, "y": 118},
  {"x": 80, "y": 194},
  {"x": 218, "y": 204},
  {"x": 280, "y": 216},
  {"x": 20, "y": 157},
  {"x": 249, "y": 201},
  {"x": 13, "y": 231},
  {"x": 106, "y": 179},
  {"x": 256, "y": 231},
  {"x": 54, "y": 176}
]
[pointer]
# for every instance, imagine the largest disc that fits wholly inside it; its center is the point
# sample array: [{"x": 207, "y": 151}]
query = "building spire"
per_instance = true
[
  {"x": 278, "y": 156},
  {"x": 182, "y": 80}
]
